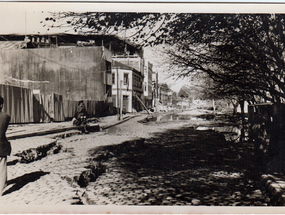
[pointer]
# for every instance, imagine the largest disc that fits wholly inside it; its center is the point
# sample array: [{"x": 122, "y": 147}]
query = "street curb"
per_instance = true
[
  {"x": 73, "y": 131},
  {"x": 95, "y": 128},
  {"x": 275, "y": 188},
  {"x": 53, "y": 131},
  {"x": 117, "y": 123}
]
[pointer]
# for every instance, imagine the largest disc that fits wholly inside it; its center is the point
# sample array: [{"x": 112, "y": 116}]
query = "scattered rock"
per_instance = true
[
  {"x": 196, "y": 202},
  {"x": 91, "y": 175}
]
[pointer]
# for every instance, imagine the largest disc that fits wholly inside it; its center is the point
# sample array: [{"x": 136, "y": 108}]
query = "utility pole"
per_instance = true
[
  {"x": 121, "y": 100},
  {"x": 156, "y": 91}
]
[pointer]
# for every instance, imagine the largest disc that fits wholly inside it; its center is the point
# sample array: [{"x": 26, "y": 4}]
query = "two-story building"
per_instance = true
[
  {"x": 127, "y": 87},
  {"x": 128, "y": 65},
  {"x": 165, "y": 95}
]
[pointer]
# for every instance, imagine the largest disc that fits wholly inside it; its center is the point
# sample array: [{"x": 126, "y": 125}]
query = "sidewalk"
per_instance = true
[
  {"x": 38, "y": 175},
  {"x": 17, "y": 131},
  {"x": 26, "y": 137}
]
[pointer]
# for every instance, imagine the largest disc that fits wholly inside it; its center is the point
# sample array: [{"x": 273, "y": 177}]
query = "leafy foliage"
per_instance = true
[{"x": 242, "y": 53}]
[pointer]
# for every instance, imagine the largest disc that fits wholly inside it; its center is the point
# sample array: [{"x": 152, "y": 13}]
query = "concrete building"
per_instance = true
[
  {"x": 58, "y": 71},
  {"x": 127, "y": 83},
  {"x": 129, "y": 67},
  {"x": 70, "y": 68},
  {"x": 76, "y": 73}
]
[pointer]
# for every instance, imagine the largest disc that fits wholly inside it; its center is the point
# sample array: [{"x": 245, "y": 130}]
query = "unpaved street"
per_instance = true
[{"x": 147, "y": 163}]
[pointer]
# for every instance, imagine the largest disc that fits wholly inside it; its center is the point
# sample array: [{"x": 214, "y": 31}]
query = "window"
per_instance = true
[
  {"x": 113, "y": 78},
  {"x": 126, "y": 78}
]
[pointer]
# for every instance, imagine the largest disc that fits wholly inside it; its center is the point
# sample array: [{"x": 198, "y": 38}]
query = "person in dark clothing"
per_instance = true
[
  {"x": 80, "y": 117},
  {"x": 5, "y": 146}
]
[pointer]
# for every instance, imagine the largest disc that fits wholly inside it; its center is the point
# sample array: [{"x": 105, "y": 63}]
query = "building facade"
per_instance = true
[
  {"x": 76, "y": 73},
  {"x": 147, "y": 84},
  {"x": 73, "y": 68},
  {"x": 66, "y": 72},
  {"x": 129, "y": 65},
  {"x": 127, "y": 87}
]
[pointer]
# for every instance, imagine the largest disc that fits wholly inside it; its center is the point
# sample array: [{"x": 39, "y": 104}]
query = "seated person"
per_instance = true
[{"x": 80, "y": 117}]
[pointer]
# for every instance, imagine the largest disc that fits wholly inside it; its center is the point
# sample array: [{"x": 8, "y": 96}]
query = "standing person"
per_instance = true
[{"x": 5, "y": 146}]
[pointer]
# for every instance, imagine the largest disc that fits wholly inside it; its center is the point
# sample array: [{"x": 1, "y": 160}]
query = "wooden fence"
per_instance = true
[{"x": 26, "y": 107}]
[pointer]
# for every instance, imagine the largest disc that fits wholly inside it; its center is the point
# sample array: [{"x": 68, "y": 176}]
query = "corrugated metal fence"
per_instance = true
[
  {"x": 25, "y": 107},
  {"x": 18, "y": 103}
]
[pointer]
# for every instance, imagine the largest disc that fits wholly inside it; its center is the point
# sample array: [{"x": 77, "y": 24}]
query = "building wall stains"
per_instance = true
[{"x": 74, "y": 72}]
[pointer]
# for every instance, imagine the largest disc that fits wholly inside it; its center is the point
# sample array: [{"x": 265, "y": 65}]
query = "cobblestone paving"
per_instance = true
[
  {"x": 45, "y": 181},
  {"x": 136, "y": 173},
  {"x": 181, "y": 167},
  {"x": 185, "y": 188},
  {"x": 47, "y": 189},
  {"x": 22, "y": 144}
]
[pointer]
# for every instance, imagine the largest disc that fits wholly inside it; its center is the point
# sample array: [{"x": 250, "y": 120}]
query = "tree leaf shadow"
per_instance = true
[{"x": 189, "y": 163}]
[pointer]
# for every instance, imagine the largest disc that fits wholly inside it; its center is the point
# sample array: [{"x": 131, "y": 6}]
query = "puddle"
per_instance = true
[
  {"x": 203, "y": 128},
  {"x": 231, "y": 133},
  {"x": 174, "y": 117}
]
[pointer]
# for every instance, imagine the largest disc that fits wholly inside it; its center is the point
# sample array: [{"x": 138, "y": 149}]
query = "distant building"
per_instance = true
[
  {"x": 185, "y": 92},
  {"x": 185, "y": 97},
  {"x": 147, "y": 84},
  {"x": 165, "y": 95}
]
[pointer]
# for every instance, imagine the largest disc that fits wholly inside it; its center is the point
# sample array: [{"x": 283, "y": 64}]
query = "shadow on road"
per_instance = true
[
  {"x": 190, "y": 164},
  {"x": 23, "y": 180}
]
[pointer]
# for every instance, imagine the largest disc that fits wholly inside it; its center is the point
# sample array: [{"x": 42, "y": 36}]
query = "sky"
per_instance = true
[{"x": 25, "y": 17}]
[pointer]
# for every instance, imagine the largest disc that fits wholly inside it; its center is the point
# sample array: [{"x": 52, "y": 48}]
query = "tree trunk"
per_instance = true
[
  {"x": 214, "y": 107},
  {"x": 235, "y": 104}
]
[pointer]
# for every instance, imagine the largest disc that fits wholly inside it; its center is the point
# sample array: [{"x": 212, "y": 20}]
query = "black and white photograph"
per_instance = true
[{"x": 142, "y": 107}]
